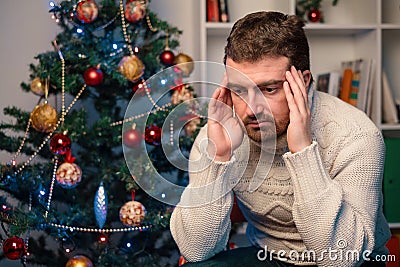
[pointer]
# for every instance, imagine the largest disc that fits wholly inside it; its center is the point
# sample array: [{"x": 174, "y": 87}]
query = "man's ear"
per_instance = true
[{"x": 307, "y": 77}]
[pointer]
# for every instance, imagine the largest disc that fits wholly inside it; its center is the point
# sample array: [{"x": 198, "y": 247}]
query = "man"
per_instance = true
[{"x": 317, "y": 200}]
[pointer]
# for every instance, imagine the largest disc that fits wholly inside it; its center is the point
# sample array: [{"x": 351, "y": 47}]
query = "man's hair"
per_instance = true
[{"x": 268, "y": 34}]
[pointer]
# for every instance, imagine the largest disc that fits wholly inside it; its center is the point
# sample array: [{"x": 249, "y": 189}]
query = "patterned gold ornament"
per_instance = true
[
  {"x": 38, "y": 86},
  {"x": 131, "y": 67},
  {"x": 44, "y": 118},
  {"x": 184, "y": 63},
  {"x": 68, "y": 175},
  {"x": 132, "y": 213}
]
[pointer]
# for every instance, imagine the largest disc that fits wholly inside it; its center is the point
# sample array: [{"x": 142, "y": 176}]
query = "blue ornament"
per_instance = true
[{"x": 100, "y": 205}]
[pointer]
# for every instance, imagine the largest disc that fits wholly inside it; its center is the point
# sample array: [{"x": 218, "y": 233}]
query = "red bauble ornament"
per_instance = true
[
  {"x": 135, "y": 10},
  {"x": 87, "y": 11},
  {"x": 182, "y": 261},
  {"x": 132, "y": 138},
  {"x": 315, "y": 15},
  {"x": 139, "y": 87},
  {"x": 60, "y": 144},
  {"x": 93, "y": 76},
  {"x": 152, "y": 135},
  {"x": 14, "y": 248},
  {"x": 167, "y": 57}
]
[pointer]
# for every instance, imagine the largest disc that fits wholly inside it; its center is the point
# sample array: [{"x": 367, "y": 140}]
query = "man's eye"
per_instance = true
[
  {"x": 238, "y": 91},
  {"x": 268, "y": 89}
]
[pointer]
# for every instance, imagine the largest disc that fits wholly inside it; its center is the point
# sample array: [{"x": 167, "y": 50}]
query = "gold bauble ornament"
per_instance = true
[
  {"x": 192, "y": 126},
  {"x": 79, "y": 261},
  {"x": 44, "y": 118},
  {"x": 132, "y": 213},
  {"x": 184, "y": 63},
  {"x": 181, "y": 95},
  {"x": 131, "y": 67},
  {"x": 38, "y": 86}
]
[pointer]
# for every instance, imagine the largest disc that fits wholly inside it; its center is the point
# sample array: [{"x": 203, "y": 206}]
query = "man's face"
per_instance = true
[{"x": 261, "y": 102}]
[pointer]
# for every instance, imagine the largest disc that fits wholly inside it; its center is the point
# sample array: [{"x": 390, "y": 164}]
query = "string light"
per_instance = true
[
  {"x": 171, "y": 132},
  {"x": 103, "y": 238}
]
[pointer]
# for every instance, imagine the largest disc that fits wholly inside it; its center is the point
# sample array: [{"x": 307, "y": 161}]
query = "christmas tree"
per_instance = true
[{"x": 112, "y": 112}]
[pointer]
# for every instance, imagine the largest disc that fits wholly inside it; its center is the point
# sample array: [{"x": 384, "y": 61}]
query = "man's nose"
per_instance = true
[{"x": 255, "y": 102}]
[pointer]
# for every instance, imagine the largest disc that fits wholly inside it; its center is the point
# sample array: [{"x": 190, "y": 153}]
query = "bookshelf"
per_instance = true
[{"x": 352, "y": 29}]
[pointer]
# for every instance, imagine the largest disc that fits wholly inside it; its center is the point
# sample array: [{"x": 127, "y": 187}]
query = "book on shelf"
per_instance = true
[
  {"x": 367, "y": 74},
  {"x": 357, "y": 83},
  {"x": 212, "y": 7},
  {"x": 371, "y": 108},
  {"x": 345, "y": 87},
  {"x": 329, "y": 82},
  {"x": 389, "y": 110},
  {"x": 223, "y": 11}
]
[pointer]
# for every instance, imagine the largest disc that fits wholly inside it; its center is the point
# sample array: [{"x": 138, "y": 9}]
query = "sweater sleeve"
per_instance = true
[
  {"x": 339, "y": 213},
  {"x": 200, "y": 223}
]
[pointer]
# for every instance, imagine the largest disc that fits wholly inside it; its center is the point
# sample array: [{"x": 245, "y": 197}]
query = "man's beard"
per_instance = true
[{"x": 267, "y": 133}]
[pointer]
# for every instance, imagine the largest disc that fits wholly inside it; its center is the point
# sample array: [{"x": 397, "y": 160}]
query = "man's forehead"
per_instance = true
[{"x": 236, "y": 77}]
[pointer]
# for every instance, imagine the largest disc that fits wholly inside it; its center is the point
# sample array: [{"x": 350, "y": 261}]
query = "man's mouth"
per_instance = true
[{"x": 259, "y": 123}]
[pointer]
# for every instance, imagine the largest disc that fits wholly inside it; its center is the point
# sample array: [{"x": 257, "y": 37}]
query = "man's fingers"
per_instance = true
[
  {"x": 301, "y": 81},
  {"x": 297, "y": 92},
  {"x": 290, "y": 98}
]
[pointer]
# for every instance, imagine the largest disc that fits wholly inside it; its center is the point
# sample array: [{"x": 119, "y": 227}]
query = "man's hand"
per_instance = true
[
  {"x": 299, "y": 129},
  {"x": 225, "y": 133}
]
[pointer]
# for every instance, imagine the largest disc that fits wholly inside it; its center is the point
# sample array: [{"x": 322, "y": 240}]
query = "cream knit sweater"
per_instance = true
[{"x": 324, "y": 198}]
